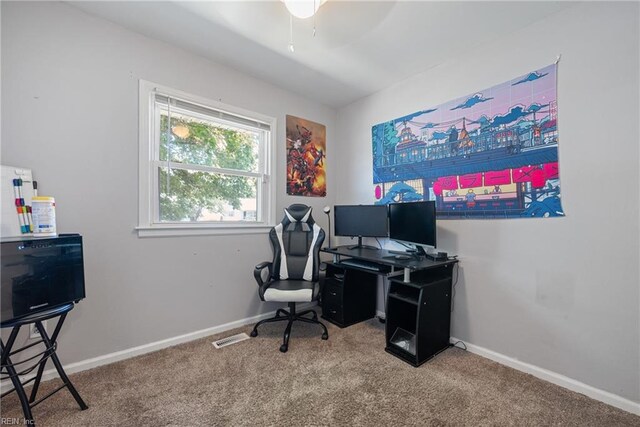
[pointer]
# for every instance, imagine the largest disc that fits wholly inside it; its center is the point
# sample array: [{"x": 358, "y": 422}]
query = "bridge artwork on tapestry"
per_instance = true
[{"x": 493, "y": 154}]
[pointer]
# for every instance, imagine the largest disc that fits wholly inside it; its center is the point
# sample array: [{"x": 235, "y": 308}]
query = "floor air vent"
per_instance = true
[{"x": 223, "y": 342}]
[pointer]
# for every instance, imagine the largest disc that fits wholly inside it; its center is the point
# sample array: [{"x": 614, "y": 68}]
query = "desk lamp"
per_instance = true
[{"x": 327, "y": 210}]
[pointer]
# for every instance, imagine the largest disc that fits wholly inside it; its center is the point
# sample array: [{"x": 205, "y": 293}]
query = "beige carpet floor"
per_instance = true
[{"x": 348, "y": 380}]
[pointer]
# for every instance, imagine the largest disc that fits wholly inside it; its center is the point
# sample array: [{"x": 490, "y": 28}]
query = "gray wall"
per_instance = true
[
  {"x": 561, "y": 294},
  {"x": 70, "y": 113}
]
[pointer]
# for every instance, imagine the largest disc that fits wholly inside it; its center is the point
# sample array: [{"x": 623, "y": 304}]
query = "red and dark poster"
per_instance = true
[{"x": 306, "y": 152}]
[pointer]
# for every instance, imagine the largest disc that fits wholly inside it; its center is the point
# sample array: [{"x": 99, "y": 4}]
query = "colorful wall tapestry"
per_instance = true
[
  {"x": 306, "y": 150},
  {"x": 493, "y": 154}
]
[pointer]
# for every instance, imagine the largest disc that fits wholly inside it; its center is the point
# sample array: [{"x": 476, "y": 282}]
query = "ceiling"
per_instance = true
[{"x": 359, "y": 47}]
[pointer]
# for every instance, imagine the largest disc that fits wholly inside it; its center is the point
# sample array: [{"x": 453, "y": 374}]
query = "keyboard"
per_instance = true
[{"x": 367, "y": 265}]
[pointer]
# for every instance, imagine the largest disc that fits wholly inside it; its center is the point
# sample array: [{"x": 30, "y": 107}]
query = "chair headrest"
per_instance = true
[{"x": 298, "y": 214}]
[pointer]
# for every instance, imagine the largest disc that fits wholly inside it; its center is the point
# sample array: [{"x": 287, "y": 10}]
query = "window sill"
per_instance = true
[{"x": 171, "y": 230}]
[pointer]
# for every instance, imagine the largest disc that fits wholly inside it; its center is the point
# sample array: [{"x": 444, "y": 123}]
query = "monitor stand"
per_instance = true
[
  {"x": 417, "y": 252},
  {"x": 361, "y": 246}
]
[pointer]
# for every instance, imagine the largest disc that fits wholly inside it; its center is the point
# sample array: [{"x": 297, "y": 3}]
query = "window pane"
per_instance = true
[
  {"x": 203, "y": 142},
  {"x": 195, "y": 196}
]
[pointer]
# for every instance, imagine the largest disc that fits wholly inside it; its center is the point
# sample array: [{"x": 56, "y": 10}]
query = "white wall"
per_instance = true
[
  {"x": 70, "y": 113},
  {"x": 561, "y": 294}
]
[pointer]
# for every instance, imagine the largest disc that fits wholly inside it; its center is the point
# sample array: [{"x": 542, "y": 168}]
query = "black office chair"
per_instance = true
[{"x": 293, "y": 273}]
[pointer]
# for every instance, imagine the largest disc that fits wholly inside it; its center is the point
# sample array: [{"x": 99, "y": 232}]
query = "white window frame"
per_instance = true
[{"x": 148, "y": 208}]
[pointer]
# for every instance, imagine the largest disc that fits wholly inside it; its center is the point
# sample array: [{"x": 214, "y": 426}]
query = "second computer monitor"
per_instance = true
[
  {"x": 361, "y": 221},
  {"x": 413, "y": 222}
]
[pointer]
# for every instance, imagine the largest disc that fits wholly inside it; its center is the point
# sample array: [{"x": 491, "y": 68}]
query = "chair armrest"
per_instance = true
[{"x": 257, "y": 272}]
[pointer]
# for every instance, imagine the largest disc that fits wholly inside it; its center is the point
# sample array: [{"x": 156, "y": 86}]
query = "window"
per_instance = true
[{"x": 204, "y": 166}]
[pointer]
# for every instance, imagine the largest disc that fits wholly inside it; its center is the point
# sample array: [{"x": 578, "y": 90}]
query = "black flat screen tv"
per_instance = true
[
  {"x": 361, "y": 221},
  {"x": 39, "y": 274},
  {"x": 413, "y": 222}
]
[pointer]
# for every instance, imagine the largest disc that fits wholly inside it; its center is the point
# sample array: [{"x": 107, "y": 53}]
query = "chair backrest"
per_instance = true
[{"x": 296, "y": 245}]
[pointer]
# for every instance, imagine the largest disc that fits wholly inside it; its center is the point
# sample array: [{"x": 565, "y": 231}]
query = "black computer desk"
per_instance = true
[
  {"x": 417, "y": 305},
  {"x": 392, "y": 266}
]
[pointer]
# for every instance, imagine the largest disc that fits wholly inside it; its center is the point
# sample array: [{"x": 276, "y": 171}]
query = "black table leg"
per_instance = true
[
  {"x": 36, "y": 383},
  {"x": 54, "y": 337},
  {"x": 5, "y": 362},
  {"x": 56, "y": 361},
  {"x": 50, "y": 343}
]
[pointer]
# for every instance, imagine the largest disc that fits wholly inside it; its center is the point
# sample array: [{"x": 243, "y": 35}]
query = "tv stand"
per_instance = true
[{"x": 361, "y": 246}]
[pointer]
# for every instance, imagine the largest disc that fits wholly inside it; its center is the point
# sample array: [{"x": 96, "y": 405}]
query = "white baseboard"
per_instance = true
[
  {"x": 148, "y": 348},
  {"x": 555, "y": 378}
]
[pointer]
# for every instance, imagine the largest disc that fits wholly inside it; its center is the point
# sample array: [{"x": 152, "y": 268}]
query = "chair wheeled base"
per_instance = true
[{"x": 291, "y": 316}]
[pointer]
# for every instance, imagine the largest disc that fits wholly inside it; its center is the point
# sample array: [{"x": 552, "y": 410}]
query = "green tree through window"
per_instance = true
[{"x": 187, "y": 193}]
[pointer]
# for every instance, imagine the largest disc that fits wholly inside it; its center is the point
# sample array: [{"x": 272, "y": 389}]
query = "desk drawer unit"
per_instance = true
[
  {"x": 332, "y": 292},
  {"x": 348, "y": 295},
  {"x": 333, "y": 312},
  {"x": 332, "y": 297}
]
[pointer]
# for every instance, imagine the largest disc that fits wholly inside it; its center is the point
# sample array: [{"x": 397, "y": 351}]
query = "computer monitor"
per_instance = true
[
  {"x": 361, "y": 221},
  {"x": 413, "y": 222}
]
